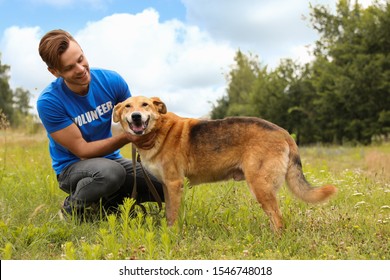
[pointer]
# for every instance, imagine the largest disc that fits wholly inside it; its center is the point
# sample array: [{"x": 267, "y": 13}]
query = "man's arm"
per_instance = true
[{"x": 71, "y": 138}]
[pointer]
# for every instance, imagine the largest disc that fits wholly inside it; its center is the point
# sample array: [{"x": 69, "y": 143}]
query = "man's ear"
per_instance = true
[
  {"x": 161, "y": 108},
  {"x": 53, "y": 71},
  {"x": 116, "y": 112}
]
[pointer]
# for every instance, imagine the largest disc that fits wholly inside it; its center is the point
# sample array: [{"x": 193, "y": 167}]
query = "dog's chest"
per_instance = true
[{"x": 153, "y": 168}]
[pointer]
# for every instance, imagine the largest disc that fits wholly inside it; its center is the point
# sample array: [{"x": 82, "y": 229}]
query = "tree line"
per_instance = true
[{"x": 342, "y": 96}]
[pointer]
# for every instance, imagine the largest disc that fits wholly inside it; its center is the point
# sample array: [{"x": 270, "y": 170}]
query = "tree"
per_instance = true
[
  {"x": 352, "y": 71},
  {"x": 22, "y": 101},
  {"x": 219, "y": 110},
  {"x": 269, "y": 96},
  {"x": 284, "y": 96},
  {"x": 21, "y": 106},
  {"x": 240, "y": 82},
  {"x": 5, "y": 92},
  {"x": 14, "y": 105}
]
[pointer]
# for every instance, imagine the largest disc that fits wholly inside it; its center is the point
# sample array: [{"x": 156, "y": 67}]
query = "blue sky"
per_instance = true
[
  {"x": 73, "y": 15},
  {"x": 179, "y": 50}
]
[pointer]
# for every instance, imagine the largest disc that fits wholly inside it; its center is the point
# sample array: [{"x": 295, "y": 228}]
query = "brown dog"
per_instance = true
[{"x": 239, "y": 148}]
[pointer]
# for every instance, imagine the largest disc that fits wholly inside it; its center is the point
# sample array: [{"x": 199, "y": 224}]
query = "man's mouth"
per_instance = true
[
  {"x": 138, "y": 126},
  {"x": 83, "y": 76}
]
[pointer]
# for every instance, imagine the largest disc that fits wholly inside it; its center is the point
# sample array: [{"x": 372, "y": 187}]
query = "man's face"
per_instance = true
[{"x": 75, "y": 69}]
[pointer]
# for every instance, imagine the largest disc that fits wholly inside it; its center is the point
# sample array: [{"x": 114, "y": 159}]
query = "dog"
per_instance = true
[{"x": 239, "y": 148}]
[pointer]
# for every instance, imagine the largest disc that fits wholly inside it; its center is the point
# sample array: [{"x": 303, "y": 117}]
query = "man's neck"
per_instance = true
[{"x": 77, "y": 89}]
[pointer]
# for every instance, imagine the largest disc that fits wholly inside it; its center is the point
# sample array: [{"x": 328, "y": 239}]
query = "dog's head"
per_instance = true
[{"x": 138, "y": 114}]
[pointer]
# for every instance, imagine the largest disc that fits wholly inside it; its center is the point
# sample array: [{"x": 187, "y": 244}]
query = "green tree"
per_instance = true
[
  {"x": 298, "y": 111},
  {"x": 219, "y": 110},
  {"x": 22, "y": 101},
  {"x": 6, "y": 93},
  {"x": 269, "y": 96},
  {"x": 21, "y": 106},
  {"x": 240, "y": 83},
  {"x": 284, "y": 96},
  {"x": 352, "y": 71},
  {"x": 14, "y": 105}
]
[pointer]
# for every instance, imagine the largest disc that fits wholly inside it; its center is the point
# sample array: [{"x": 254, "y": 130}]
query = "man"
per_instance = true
[{"x": 76, "y": 110}]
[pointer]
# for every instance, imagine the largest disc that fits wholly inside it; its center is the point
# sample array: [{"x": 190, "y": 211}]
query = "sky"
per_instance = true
[{"x": 178, "y": 50}]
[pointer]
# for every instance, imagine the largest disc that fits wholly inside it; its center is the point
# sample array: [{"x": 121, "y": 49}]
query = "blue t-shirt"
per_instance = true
[{"x": 59, "y": 107}]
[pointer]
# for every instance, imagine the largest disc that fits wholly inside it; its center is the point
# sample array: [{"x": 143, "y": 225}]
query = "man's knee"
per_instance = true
[
  {"x": 113, "y": 174},
  {"x": 106, "y": 179}
]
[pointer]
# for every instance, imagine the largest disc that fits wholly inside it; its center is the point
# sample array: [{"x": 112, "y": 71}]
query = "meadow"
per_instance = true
[{"x": 217, "y": 221}]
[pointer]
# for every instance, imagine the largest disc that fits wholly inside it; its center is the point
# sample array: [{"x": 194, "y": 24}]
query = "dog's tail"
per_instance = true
[{"x": 297, "y": 182}]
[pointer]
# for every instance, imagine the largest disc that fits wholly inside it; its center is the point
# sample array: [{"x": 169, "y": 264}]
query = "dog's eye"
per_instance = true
[
  {"x": 145, "y": 104},
  {"x": 128, "y": 106}
]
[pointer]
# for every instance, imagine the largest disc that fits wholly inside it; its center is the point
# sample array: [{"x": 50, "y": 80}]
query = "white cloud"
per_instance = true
[
  {"x": 270, "y": 29},
  {"x": 273, "y": 30},
  {"x": 172, "y": 60},
  {"x": 19, "y": 48},
  {"x": 178, "y": 62}
]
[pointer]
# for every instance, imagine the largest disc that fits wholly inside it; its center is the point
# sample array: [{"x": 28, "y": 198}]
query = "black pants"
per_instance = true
[{"x": 91, "y": 180}]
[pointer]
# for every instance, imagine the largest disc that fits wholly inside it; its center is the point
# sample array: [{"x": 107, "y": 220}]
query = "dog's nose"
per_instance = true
[{"x": 136, "y": 116}]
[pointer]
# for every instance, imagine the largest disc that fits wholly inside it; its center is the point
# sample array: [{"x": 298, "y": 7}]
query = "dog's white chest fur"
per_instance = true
[{"x": 154, "y": 169}]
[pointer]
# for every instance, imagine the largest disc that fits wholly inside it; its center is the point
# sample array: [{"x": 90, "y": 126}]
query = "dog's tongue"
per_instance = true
[{"x": 138, "y": 128}]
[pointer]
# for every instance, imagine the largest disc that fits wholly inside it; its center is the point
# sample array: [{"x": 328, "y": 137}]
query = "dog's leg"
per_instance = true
[
  {"x": 173, "y": 191},
  {"x": 264, "y": 184},
  {"x": 270, "y": 206}
]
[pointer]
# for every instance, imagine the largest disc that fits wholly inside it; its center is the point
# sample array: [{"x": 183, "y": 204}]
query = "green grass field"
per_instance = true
[{"x": 217, "y": 221}]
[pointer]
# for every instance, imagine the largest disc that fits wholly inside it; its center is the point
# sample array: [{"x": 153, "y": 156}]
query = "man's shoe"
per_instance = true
[{"x": 71, "y": 211}]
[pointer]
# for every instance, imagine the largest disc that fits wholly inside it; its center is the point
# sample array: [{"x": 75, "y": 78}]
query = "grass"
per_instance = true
[{"x": 217, "y": 221}]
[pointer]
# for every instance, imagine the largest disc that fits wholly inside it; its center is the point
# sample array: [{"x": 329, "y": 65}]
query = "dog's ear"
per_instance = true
[
  {"x": 161, "y": 108},
  {"x": 116, "y": 112}
]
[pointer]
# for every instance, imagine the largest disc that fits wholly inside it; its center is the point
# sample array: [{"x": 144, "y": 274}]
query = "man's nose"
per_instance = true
[{"x": 79, "y": 68}]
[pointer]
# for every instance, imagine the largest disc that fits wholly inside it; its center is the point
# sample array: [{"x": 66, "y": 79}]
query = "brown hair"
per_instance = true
[{"x": 53, "y": 45}]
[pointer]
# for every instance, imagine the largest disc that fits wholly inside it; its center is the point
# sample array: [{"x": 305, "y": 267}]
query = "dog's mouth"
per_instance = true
[{"x": 138, "y": 126}]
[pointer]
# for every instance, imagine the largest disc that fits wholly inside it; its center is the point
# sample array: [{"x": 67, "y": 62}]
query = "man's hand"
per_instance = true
[{"x": 144, "y": 142}]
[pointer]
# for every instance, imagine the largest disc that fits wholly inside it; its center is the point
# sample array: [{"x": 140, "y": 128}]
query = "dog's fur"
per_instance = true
[{"x": 239, "y": 148}]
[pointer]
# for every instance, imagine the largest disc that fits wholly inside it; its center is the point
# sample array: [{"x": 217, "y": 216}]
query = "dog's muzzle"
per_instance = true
[{"x": 137, "y": 123}]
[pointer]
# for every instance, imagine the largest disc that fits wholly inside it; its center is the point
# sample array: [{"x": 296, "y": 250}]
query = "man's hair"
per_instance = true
[{"x": 53, "y": 45}]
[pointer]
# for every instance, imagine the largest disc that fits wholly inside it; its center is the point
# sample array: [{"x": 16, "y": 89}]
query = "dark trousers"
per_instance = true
[{"x": 100, "y": 179}]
